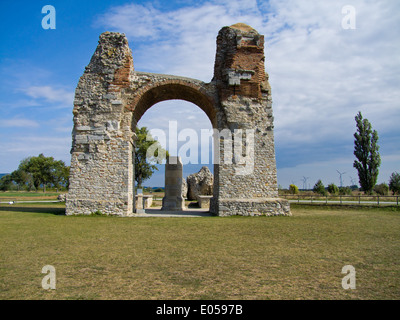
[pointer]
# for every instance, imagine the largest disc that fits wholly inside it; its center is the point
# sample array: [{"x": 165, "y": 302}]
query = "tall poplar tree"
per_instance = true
[{"x": 366, "y": 150}]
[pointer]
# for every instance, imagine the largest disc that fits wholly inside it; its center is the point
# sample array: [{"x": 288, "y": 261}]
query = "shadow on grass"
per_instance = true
[
  {"x": 49, "y": 210},
  {"x": 193, "y": 205}
]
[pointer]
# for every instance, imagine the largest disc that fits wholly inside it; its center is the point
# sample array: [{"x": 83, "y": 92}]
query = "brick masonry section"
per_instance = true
[{"x": 111, "y": 97}]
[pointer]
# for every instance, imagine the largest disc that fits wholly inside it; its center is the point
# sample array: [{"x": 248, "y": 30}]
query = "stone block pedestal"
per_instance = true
[
  {"x": 204, "y": 201},
  {"x": 173, "y": 200}
]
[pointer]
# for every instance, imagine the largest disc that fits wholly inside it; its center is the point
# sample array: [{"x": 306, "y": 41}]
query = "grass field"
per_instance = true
[
  {"x": 298, "y": 257},
  {"x": 23, "y": 196}
]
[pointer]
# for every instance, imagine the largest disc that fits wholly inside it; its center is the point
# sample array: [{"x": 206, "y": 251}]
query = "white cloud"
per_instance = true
[
  {"x": 179, "y": 42},
  {"x": 28, "y": 86},
  {"x": 321, "y": 74},
  {"x": 18, "y": 123},
  {"x": 140, "y": 19},
  {"x": 50, "y": 94}
]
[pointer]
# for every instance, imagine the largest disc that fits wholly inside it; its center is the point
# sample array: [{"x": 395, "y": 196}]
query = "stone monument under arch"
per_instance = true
[{"x": 111, "y": 97}]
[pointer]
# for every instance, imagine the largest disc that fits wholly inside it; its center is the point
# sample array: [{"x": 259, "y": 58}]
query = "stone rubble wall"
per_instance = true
[
  {"x": 101, "y": 156},
  {"x": 245, "y": 98},
  {"x": 200, "y": 183},
  {"x": 254, "y": 207}
]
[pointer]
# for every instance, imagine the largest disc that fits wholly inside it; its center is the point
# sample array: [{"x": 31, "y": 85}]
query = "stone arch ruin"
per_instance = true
[{"x": 111, "y": 97}]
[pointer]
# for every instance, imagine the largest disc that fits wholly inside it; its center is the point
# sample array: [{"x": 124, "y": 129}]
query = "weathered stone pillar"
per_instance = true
[
  {"x": 246, "y": 178},
  {"x": 173, "y": 200},
  {"x": 101, "y": 176},
  {"x": 140, "y": 203}
]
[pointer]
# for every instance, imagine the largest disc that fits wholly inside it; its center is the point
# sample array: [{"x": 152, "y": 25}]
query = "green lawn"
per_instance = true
[
  {"x": 298, "y": 257},
  {"x": 23, "y": 196}
]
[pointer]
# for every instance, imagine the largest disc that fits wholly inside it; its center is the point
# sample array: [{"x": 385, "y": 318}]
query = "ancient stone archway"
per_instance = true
[
  {"x": 111, "y": 97},
  {"x": 164, "y": 87}
]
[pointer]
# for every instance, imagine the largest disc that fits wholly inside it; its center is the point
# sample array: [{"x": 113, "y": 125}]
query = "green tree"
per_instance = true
[
  {"x": 6, "y": 182},
  {"x": 39, "y": 169},
  {"x": 148, "y": 152},
  {"x": 319, "y": 188},
  {"x": 382, "y": 189},
  {"x": 394, "y": 183},
  {"x": 293, "y": 189},
  {"x": 45, "y": 171},
  {"x": 60, "y": 174},
  {"x": 333, "y": 188},
  {"x": 366, "y": 150},
  {"x": 21, "y": 178},
  {"x": 345, "y": 191}
]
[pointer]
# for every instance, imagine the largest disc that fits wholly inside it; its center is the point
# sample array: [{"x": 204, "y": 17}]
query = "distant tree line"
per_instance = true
[
  {"x": 332, "y": 189},
  {"x": 380, "y": 189},
  {"x": 38, "y": 172}
]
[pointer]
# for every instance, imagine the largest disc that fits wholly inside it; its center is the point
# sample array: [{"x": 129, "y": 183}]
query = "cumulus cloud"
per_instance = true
[
  {"x": 18, "y": 123},
  {"x": 321, "y": 74},
  {"x": 181, "y": 41},
  {"x": 50, "y": 94}
]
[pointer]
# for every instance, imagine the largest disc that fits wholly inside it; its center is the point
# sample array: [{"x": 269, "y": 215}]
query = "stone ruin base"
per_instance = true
[
  {"x": 85, "y": 207},
  {"x": 227, "y": 207},
  {"x": 147, "y": 201},
  {"x": 251, "y": 207}
]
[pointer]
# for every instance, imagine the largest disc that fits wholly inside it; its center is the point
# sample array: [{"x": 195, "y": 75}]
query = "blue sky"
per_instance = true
[{"x": 321, "y": 74}]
